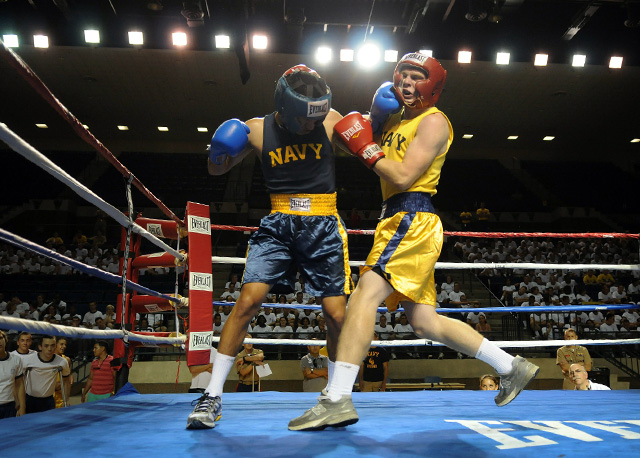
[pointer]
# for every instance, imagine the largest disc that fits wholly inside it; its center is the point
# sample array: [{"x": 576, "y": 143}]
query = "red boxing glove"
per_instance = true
[{"x": 357, "y": 135}]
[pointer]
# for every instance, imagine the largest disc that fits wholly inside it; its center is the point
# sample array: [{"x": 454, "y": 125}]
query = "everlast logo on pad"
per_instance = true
[
  {"x": 317, "y": 109},
  {"x": 155, "y": 229},
  {"x": 300, "y": 205},
  {"x": 200, "y": 282},
  {"x": 352, "y": 131},
  {"x": 200, "y": 340},
  {"x": 199, "y": 225},
  {"x": 419, "y": 57}
]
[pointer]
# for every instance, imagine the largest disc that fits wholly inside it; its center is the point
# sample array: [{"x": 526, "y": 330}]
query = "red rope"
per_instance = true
[
  {"x": 29, "y": 75},
  {"x": 490, "y": 235}
]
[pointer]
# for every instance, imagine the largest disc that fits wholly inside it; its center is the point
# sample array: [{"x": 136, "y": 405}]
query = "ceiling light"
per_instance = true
[
  {"x": 426, "y": 52},
  {"x": 615, "y": 62},
  {"x": 464, "y": 57},
  {"x": 467, "y": 136},
  {"x": 390, "y": 55},
  {"x": 40, "y": 41},
  {"x": 203, "y": 129},
  {"x": 579, "y": 60},
  {"x": 42, "y": 126},
  {"x": 323, "y": 55},
  {"x": 163, "y": 129},
  {"x": 10, "y": 41},
  {"x": 92, "y": 36},
  {"x": 136, "y": 38},
  {"x": 548, "y": 138},
  {"x": 512, "y": 137},
  {"x": 635, "y": 140},
  {"x": 123, "y": 127},
  {"x": 346, "y": 55},
  {"x": 179, "y": 38},
  {"x": 260, "y": 42},
  {"x": 368, "y": 55},
  {"x": 541, "y": 60},
  {"x": 503, "y": 58},
  {"x": 222, "y": 41}
]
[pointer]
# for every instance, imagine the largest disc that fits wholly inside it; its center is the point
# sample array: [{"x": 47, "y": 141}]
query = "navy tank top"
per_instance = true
[{"x": 297, "y": 164}]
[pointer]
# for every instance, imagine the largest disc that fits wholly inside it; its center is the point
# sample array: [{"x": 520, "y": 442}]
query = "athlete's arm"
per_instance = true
[
  {"x": 253, "y": 144},
  {"x": 429, "y": 142}
]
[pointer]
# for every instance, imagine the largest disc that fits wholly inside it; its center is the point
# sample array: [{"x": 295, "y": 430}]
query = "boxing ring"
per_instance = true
[{"x": 408, "y": 424}]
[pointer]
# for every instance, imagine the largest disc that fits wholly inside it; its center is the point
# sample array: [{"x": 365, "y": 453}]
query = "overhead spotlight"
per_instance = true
[
  {"x": 346, "y": 55},
  {"x": 635, "y": 140},
  {"x": 92, "y": 36},
  {"x": 615, "y": 62},
  {"x": 541, "y": 60},
  {"x": 633, "y": 14},
  {"x": 41, "y": 126},
  {"x": 155, "y": 5},
  {"x": 163, "y": 128},
  {"x": 136, "y": 38},
  {"x": 10, "y": 41},
  {"x": 192, "y": 12},
  {"x": 390, "y": 55},
  {"x": 323, "y": 55},
  {"x": 477, "y": 11},
  {"x": 467, "y": 136},
  {"x": 368, "y": 55},
  {"x": 179, "y": 38},
  {"x": 503, "y": 58},
  {"x": 40, "y": 41},
  {"x": 464, "y": 57},
  {"x": 203, "y": 129},
  {"x": 548, "y": 138},
  {"x": 426, "y": 52},
  {"x": 579, "y": 60},
  {"x": 512, "y": 137},
  {"x": 260, "y": 42},
  {"x": 223, "y": 41}
]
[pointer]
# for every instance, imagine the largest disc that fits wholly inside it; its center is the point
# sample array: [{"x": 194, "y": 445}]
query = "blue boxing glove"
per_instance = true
[
  {"x": 384, "y": 103},
  {"x": 229, "y": 139}
]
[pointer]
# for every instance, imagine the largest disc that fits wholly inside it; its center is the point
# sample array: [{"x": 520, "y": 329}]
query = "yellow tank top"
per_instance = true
[{"x": 396, "y": 136}]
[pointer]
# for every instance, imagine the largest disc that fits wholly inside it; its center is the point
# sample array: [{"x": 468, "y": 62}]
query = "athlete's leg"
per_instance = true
[
  {"x": 333, "y": 308},
  {"x": 355, "y": 337},
  {"x": 252, "y": 296},
  {"x": 455, "y": 334}
]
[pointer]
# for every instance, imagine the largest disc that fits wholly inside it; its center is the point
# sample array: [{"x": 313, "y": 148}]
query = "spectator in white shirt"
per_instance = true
[
  {"x": 90, "y": 317},
  {"x": 231, "y": 295}
]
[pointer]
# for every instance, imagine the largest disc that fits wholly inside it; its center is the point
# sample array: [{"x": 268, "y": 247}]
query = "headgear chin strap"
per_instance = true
[
  {"x": 301, "y": 92},
  {"x": 428, "y": 90}
]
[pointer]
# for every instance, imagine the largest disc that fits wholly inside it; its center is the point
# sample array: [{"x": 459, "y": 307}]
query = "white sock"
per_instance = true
[
  {"x": 497, "y": 358},
  {"x": 344, "y": 376},
  {"x": 331, "y": 369},
  {"x": 221, "y": 367}
]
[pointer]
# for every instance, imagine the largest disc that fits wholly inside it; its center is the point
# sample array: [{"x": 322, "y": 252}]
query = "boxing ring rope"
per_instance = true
[
  {"x": 41, "y": 327},
  {"x": 489, "y": 235},
  {"x": 476, "y": 265},
  {"x": 30, "y": 153},
  {"x": 94, "y": 271},
  {"x": 29, "y": 75}
]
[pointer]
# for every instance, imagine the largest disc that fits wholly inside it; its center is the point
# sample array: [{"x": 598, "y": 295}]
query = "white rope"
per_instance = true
[
  {"x": 475, "y": 265},
  {"x": 30, "y": 153},
  {"x": 433, "y": 343},
  {"x": 41, "y": 327}
]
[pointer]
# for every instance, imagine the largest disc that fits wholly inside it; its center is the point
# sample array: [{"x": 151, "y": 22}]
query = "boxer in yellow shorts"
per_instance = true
[{"x": 412, "y": 141}]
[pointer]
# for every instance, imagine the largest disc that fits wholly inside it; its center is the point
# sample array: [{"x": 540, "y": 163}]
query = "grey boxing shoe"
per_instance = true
[
  {"x": 326, "y": 413},
  {"x": 515, "y": 381},
  {"x": 206, "y": 412}
]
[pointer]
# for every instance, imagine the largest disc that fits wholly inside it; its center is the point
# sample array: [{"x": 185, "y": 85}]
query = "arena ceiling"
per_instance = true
[{"x": 591, "y": 111}]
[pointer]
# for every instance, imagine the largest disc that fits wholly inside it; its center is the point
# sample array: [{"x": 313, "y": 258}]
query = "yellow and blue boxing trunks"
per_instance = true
[{"x": 406, "y": 246}]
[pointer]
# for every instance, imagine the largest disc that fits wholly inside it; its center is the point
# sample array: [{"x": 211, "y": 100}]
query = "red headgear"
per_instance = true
[{"x": 429, "y": 89}]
